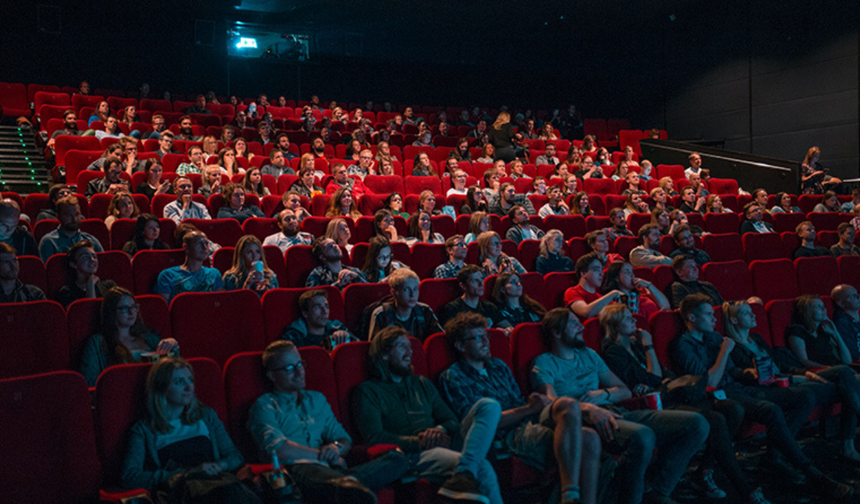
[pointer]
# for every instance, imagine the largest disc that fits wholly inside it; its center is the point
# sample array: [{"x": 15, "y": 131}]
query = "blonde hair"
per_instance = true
[
  {"x": 501, "y": 119},
  {"x": 399, "y": 277},
  {"x": 239, "y": 268},
  {"x": 484, "y": 240},
  {"x": 157, "y": 382},
  {"x": 544, "y": 242},
  {"x": 114, "y": 202},
  {"x": 610, "y": 320},
  {"x": 331, "y": 229}
]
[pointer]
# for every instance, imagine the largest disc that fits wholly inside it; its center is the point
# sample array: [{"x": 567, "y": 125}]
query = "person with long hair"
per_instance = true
[
  {"x": 589, "y": 143},
  {"x": 101, "y": 113},
  {"x": 386, "y": 167},
  {"x": 234, "y": 205},
  {"x": 462, "y": 153},
  {"x": 421, "y": 229},
  {"x": 422, "y": 166},
  {"x": 547, "y": 132},
  {"x": 814, "y": 178},
  {"x": 227, "y": 162},
  {"x": 240, "y": 145},
  {"x": 210, "y": 145},
  {"x": 250, "y": 270},
  {"x": 514, "y": 305},
  {"x": 783, "y": 204},
  {"x": 394, "y": 204},
  {"x": 147, "y": 231},
  {"x": 829, "y": 385},
  {"x": 178, "y": 435},
  {"x": 714, "y": 204},
  {"x": 668, "y": 186},
  {"x": 479, "y": 223},
  {"x": 488, "y": 152},
  {"x": 123, "y": 337},
  {"x": 621, "y": 170},
  {"x": 342, "y": 204},
  {"x": 383, "y": 226},
  {"x": 812, "y": 336},
  {"x": 635, "y": 204},
  {"x": 829, "y": 203},
  {"x": 660, "y": 200},
  {"x": 338, "y": 230},
  {"x": 643, "y": 297},
  {"x": 598, "y": 243},
  {"x": 580, "y": 205},
  {"x": 476, "y": 201},
  {"x": 122, "y": 206},
  {"x": 629, "y": 353},
  {"x": 660, "y": 218},
  {"x": 82, "y": 265},
  {"x": 552, "y": 258},
  {"x": 154, "y": 183},
  {"x": 379, "y": 262},
  {"x": 253, "y": 183},
  {"x": 492, "y": 259},
  {"x": 503, "y": 138},
  {"x": 427, "y": 203}
]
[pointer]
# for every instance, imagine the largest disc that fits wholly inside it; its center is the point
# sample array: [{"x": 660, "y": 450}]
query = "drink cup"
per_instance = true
[{"x": 653, "y": 401}]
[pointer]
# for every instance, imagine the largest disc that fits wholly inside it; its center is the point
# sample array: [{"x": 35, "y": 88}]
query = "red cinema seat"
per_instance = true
[
  {"x": 722, "y": 222},
  {"x": 731, "y": 278},
  {"x": 556, "y": 284},
  {"x": 527, "y": 342},
  {"x": 816, "y": 275},
  {"x": 787, "y": 222},
  {"x": 723, "y": 186},
  {"x": 723, "y": 247},
  {"x": 426, "y": 257},
  {"x": 260, "y": 227},
  {"x": 49, "y": 446},
  {"x": 47, "y": 98},
  {"x": 120, "y": 402},
  {"x": 758, "y": 246},
  {"x": 676, "y": 172},
  {"x": 384, "y": 185},
  {"x": 416, "y": 185},
  {"x": 13, "y": 97},
  {"x": 299, "y": 262},
  {"x": 440, "y": 354},
  {"x": 779, "y": 318},
  {"x": 357, "y": 297},
  {"x": 663, "y": 276},
  {"x": 602, "y": 186},
  {"x": 533, "y": 286},
  {"x": 849, "y": 269},
  {"x": 25, "y": 353},
  {"x": 665, "y": 326},
  {"x": 570, "y": 225},
  {"x": 774, "y": 279},
  {"x": 147, "y": 264},
  {"x": 217, "y": 324},
  {"x": 31, "y": 270},
  {"x": 436, "y": 292},
  {"x": 529, "y": 250},
  {"x": 65, "y": 143},
  {"x": 624, "y": 244},
  {"x": 224, "y": 232},
  {"x": 281, "y": 308},
  {"x": 824, "y": 221}
]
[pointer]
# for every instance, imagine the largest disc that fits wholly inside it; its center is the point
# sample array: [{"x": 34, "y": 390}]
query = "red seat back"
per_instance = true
[
  {"x": 722, "y": 222},
  {"x": 147, "y": 264},
  {"x": 281, "y": 308},
  {"x": 849, "y": 269},
  {"x": 774, "y": 279},
  {"x": 31, "y": 270},
  {"x": 779, "y": 318},
  {"x": 570, "y": 225},
  {"x": 759, "y": 246},
  {"x": 723, "y": 247},
  {"x": 731, "y": 278},
  {"x": 35, "y": 338},
  {"x": 436, "y": 292},
  {"x": 816, "y": 275},
  {"x": 526, "y": 343},
  {"x": 357, "y": 297}
]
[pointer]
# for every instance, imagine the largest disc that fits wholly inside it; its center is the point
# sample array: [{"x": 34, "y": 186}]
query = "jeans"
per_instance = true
[
  {"x": 843, "y": 387},
  {"x": 314, "y": 480},
  {"x": 676, "y": 435},
  {"x": 477, "y": 431}
]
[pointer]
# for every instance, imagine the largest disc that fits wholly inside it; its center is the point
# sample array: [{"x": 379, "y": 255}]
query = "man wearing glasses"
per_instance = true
[
  {"x": 298, "y": 426},
  {"x": 458, "y": 179},
  {"x": 165, "y": 145},
  {"x": 157, "y": 127},
  {"x": 364, "y": 166},
  {"x": 456, "y": 248}
]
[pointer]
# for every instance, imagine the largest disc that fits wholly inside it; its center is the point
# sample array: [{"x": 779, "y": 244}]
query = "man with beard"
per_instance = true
[
  {"x": 199, "y": 106},
  {"x": 282, "y": 143},
  {"x": 325, "y": 133},
  {"x": 573, "y": 370},
  {"x": 13, "y": 232},
  {"x": 330, "y": 270},
  {"x": 111, "y": 182},
  {"x": 399, "y": 407},
  {"x": 534, "y": 428},
  {"x": 13, "y": 290},
  {"x": 241, "y": 120},
  {"x": 186, "y": 132},
  {"x": 318, "y": 148},
  {"x": 277, "y": 165},
  {"x": 290, "y": 234},
  {"x": 111, "y": 129},
  {"x": 184, "y": 207},
  {"x": 314, "y": 327},
  {"x": 70, "y": 127},
  {"x": 403, "y": 309},
  {"x": 619, "y": 225},
  {"x": 192, "y": 275},
  {"x": 68, "y": 232}
]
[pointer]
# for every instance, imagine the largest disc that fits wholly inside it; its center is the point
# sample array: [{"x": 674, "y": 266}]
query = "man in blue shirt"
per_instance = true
[
  {"x": 69, "y": 231},
  {"x": 192, "y": 276},
  {"x": 298, "y": 425},
  {"x": 532, "y": 429}
]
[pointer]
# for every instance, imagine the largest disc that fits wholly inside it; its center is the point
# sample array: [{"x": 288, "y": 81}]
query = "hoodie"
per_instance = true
[{"x": 387, "y": 412}]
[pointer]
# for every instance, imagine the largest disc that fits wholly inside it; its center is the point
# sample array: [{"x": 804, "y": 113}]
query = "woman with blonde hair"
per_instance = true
[
  {"x": 501, "y": 135},
  {"x": 813, "y": 176},
  {"x": 427, "y": 202},
  {"x": 210, "y": 145},
  {"x": 547, "y": 132},
  {"x": 122, "y": 206},
  {"x": 338, "y": 230},
  {"x": 342, "y": 204},
  {"x": 551, "y": 257},
  {"x": 714, "y": 204},
  {"x": 491, "y": 257},
  {"x": 250, "y": 270},
  {"x": 668, "y": 186},
  {"x": 479, "y": 223}
]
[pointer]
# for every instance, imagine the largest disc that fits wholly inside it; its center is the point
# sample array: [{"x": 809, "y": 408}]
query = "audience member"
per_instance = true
[
  {"x": 403, "y": 309},
  {"x": 341, "y": 180},
  {"x": 597, "y": 243},
  {"x": 455, "y": 247},
  {"x": 212, "y": 177},
  {"x": 146, "y": 236},
  {"x": 197, "y": 164},
  {"x": 154, "y": 183},
  {"x": 68, "y": 232},
  {"x": 515, "y": 306},
  {"x": 314, "y": 327},
  {"x": 394, "y": 203},
  {"x": 82, "y": 266},
  {"x": 13, "y": 290},
  {"x": 686, "y": 270},
  {"x": 420, "y": 229},
  {"x": 491, "y": 257},
  {"x": 183, "y": 207},
  {"x": 338, "y": 230},
  {"x": 846, "y": 241},
  {"x": 306, "y": 184},
  {"x": 290, "y": 234},
  {"x": 277, "y": 165},
  {"x": 533, "y": 428},
  {"x": 548, "y": 157},
  {"x": 580, "y": 205},
  {"x": 692, "y": 202},
  {"x": 829, "y": 203},
  {"x": 647, "y": 254},
  {"x": 123, "y": 337},
  {"x": 476, "y": 201},
  {"x": 293, "y": 201},
  {"x": 521, "y": 227},
  {"x": 471, "y": 281},
  {"x": 165, "y": 143},
  {"x": 584, "y": 299},
  {"x": 555, "y": 205},
  {"x": 573, "y": 370},
  {"x": 783, "y": 204},
  {"x": 754, "y": 222},
  {"x": 427, "y": 432},
  {"x": 686, "y": 246},
  {"x": 191, "y": 276},
  {"x": 56, "y": 193},
  {"x": 502, "y": 202},
  {"x": 551, "y": 257},
  {"x": 806, "y": 232},
  {"x": 330, "y": 270},
  {"x": 640, "y": 296},
  {"x": 846, "y": 317},
  {"x": 695, "y": 164},
  {"x": 250, "y": 269},
  {"x": 618, "y": 219},
  {"x": 234, "y": 206},
  {"x": 253, "y": 183},
  {"x": 111, "y": 183},
  {"x": 813, "y": 337},
  {"x": 122, "y": 206},
  {"x": 379, "y": 264},
  {"x": 13, "y": 232}
]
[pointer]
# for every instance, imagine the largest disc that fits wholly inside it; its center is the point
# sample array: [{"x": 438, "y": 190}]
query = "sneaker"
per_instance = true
[
  {"x": 756, "y": 497},
  {"x": 705, "y": 484},
  {"x": 463, "y": 486},
  {"x": 834, "y": 489}
]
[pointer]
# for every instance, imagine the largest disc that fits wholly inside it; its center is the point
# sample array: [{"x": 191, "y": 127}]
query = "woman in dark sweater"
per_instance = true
[
  {"x": 514, "y": 305},
  {"x": 630, "y": 355},
  {"x": 552, "y": 256},
  {"x": 828, "y": 385},
  {"x": 502, "y": 136},
  {"x": 146, "y": 236}
]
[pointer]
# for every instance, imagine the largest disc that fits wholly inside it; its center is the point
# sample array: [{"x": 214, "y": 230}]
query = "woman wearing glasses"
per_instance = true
[{"x": 123, "y": 338}]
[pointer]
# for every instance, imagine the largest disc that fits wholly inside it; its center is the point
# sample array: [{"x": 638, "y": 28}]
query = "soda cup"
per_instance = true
[
  {"x": 258, "y": 266},
  {"x": 653, "y": 401},
  {"x": 782, "y": 381}
]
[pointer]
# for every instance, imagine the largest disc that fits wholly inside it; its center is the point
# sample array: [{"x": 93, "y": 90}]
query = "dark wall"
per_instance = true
[{"x": 768, "y": 77}]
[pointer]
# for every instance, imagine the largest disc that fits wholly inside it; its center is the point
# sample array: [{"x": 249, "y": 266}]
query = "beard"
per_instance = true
[
  {"x": 400, "y": 370},
  {"x": 72, "y": 126},
  {"x": 574, "y": 343},
  {"x": 290, "y": 232},
  {"x": 186, "y": 131},
  {"x": 319, "y": 149}
]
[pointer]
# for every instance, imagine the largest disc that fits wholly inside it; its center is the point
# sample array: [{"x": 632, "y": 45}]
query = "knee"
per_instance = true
[
  {"x": 566, "y": 411},
  {"x": 488, "y": 408},
  {"x": 643, "y": 442},
  {"x": 700, "y": 427}
]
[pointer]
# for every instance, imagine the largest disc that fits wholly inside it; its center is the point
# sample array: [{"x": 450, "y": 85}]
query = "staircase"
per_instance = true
[{"x": 22, "y": 164}]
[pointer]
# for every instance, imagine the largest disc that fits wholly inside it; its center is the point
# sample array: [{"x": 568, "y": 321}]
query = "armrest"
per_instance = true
[
  {"x": 125, "y": 497},
  {"x": 635, "y": 403}
]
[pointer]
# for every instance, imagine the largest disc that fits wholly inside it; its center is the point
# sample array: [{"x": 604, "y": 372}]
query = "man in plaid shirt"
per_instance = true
[
  {"x": 533, "y": 429},
  {"x": 456, "y": 248}
]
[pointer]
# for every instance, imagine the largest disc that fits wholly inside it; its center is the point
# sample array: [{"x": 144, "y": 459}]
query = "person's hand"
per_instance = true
[
  {"x": 432, "y": 438},
  {"x": 603, "y": 421},
  {"x": 816, "y": 173},
  {"x": 340, "y": 337},
  {"x": 163, "y": 187},
  {"x": 645, "y": 337},
  {"x": 51, "y": 142},
  {"x": 131, "y": 160},
  {"x": 345, "y": 275},
  {"x": 339, "y": 463},
  {"x": 329, "y": 453},
  {"x": 594, "y": 397},
  {"x": 537, "y": 402},
  {"x": 216, "y": 186},
  {"x": 727, "y": 345},
  {"x": 166, "y": 346},
  {"x": 186, "y": 201},
  {"x": 115, "y": 187},
  {"x": 563, "y": 205},
  {"x": 391, "y": 231},
  {"x": 615, "y": 295},
  {"x": 253, "y": 278},
  {"x": 211, "y": 468},
  {"x": 751, "y": 374},
  {"x": 814, "y": 377},
  {"x": 507, "y": 330},
  {"x": 92, "y": 281}
]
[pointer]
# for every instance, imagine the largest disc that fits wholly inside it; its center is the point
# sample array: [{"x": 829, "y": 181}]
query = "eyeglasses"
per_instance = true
[
  {"x": 125, "y": 310},
  {"x": 292, "y": 368},
  {"x": 478, "y": 338}
]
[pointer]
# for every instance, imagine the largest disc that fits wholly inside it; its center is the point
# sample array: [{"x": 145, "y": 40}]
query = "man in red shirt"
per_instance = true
[{"x": 584, "y": 299}]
